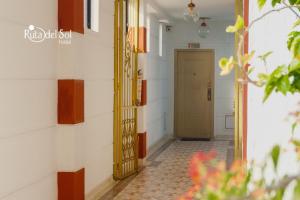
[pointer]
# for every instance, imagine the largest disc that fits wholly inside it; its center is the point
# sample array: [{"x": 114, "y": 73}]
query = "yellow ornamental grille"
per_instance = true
[{"x": 125, "y": 108}]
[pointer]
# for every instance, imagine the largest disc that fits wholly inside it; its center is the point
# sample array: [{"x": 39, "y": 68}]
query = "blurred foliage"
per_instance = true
[{"x": 211, "y": 178}]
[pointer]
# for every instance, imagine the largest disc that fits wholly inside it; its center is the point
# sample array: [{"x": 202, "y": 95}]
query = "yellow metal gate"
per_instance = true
[{"x": 125, "y": 88}]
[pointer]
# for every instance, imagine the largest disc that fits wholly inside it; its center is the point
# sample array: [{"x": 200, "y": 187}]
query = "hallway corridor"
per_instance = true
[{"x": 165, "y": 176}]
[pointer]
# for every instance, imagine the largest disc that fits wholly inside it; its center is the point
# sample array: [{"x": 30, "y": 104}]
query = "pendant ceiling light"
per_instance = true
[
  {"x": 191, "y": 14},
  {"x": 204, "y": 29}
]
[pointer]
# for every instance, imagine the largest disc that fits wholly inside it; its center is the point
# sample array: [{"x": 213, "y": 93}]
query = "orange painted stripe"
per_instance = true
[
  {"x": 142, "y": 145},
  {"x": 143, "y": 40},
  {"x": 71, "y": 15},
  {"x": 144, "y": 93},
  {"x": 142, "y": 43},
  {"x": 71, "y": 185},
  {"x": 245, "y": 94},
  {"x": 70, "y": 107}
]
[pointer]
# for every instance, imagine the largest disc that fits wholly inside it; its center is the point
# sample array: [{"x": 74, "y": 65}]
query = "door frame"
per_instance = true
[
  {"x": 176, "y": 52},
  {"x": 245, "y": 8},
  {"x": 241, "y": 91}
]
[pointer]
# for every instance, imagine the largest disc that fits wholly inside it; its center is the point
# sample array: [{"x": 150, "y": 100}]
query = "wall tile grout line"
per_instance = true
[
  {"x": 30, "y": 184},
  {"x": 28, "y": 132}
]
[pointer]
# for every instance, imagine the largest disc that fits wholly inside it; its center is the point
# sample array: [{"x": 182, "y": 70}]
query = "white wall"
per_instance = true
[
  {"x": 28, "y": 102},
  {"x": 99, "y": 74},
  {"x": 156, "y": 73},
  {"x": 32, "y": 147},
  {"x": 266, "y": 122},
  {"x": 90, "y": 57},
  {"x": 223, "y": 43}
]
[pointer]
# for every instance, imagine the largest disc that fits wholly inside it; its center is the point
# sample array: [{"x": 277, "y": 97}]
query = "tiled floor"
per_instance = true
[{"x": 165, "y": 176}]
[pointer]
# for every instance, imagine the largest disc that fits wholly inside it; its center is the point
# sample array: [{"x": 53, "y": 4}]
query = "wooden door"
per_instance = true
[{"x": 194, "y": 95}]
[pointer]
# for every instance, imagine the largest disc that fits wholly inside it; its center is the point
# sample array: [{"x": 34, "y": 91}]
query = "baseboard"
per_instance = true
[
  {"x": 156, "y": 146},
  {"x": 224, "y": 137},
  {"x": 101, "y": 189}
]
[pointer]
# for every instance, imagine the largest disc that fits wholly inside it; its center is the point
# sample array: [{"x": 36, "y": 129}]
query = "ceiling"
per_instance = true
[{"x": 216, "y": 9}]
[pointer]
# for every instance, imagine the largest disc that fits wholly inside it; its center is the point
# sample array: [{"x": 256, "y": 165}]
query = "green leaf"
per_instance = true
[
  {"x": 273, "y": 81},
  {"x": 261, "y": 3},
  {"x": 223, "y": 62},
  {"x": 296, "y": 83},
  {"x": 297, "y": 23},
  {"x": 268, "y": 91},
  {"x": 283, "y": 84},
  {"x": 245, "y": 186},
  {"x": 274, "y": 2},
  {"x": 296, "y": 195},
  {"x": 294, "y": 66},
  {"x": 294, "y": 126},
  {"x": 212, "y": 196},
  {"x": 291, "y": 38},
  {"x": 275, "y": 153},
  {"x": 239, "y": 24},
  {"x": 279, "y": 194},
  {"x": 250, "y": 70},
  {"x": 295, "y": 47},
  {"x": 264, "y": 56},
  {"x": 293, "y": 2},
  {"x": 226, "y": 65},
  {"x": 263, "y": 76},
  {"x": 296, "y": 143}
]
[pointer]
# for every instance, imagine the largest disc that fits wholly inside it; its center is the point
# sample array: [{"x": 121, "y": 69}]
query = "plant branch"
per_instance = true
[
  {"x": 283, "y": 183},
  {"x": 243, "y": 35},
  {"x": 240, "y": 63},
  {"x": 291, "y": 9},
  {"x": 268, "y": 13}
]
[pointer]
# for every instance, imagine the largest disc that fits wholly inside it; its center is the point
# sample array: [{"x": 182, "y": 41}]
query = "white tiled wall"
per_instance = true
[
  {"x": 90, "y": 57},
  {"x": 183, "y": 33},
  {"x": 98, "y": 71},
  {"x": 27, "y": 103},
  {"x": 156, "y": 72},
  {"x": 32, "y": 147}
]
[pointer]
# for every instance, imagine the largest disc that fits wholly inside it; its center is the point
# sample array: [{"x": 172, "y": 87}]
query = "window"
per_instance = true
[
  {"x": 148, "y": 33},
  {"x": 93, "y": 15},
  {"x": 160, "y": 39}
]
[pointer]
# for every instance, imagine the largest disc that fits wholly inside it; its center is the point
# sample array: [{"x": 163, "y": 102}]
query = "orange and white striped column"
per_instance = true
[
  {"x": 142, "y": 84},
  {"x": 70, "y": 116}
]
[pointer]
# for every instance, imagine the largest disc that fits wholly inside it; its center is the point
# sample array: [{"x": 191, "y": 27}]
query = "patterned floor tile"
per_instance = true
[{"x": 167, "y": 178}]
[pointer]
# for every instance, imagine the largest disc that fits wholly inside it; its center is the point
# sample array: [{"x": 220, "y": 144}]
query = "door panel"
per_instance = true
[{"x": 194, "y": 93}]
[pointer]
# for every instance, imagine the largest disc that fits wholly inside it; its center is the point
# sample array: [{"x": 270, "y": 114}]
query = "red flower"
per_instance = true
[
  {"x": 203, "y": 156},
  {"x": 191, "y": 193},
  {"x": 198, "y": 166}
]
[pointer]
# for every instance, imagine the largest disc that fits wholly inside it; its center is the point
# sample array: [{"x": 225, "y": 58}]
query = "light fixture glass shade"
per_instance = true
[
  {"x": 191, "y": 16},
  {"x": 204, "y": 30},
  {"x": 190, "y": 13}
]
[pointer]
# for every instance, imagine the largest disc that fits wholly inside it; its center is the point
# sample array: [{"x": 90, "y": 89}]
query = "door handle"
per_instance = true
[{"x": 209, "y": 94}]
